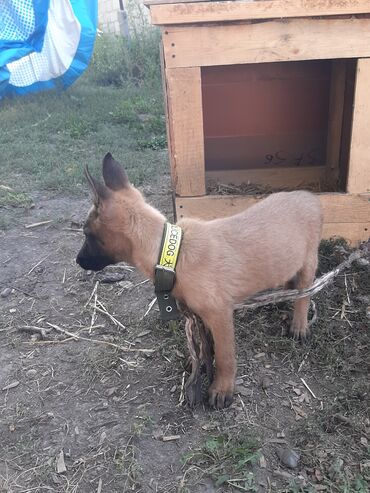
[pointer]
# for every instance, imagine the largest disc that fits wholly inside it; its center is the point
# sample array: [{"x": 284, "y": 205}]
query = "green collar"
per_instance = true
[{"x": 165, "y": 271}]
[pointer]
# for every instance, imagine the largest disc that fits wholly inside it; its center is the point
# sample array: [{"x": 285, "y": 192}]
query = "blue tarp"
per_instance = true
[{"x": 44, "y": 43}]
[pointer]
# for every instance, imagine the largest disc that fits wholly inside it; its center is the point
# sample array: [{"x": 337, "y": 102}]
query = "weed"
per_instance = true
[
  {"x": 127, "y": 465},
  {"x": 154, "y": 143},
  {"x": 140, "y": 424},
  {"x": 11, "y": 198},
  {"x": 119, "y": 61},
  {"x": 225, "y": 458},
  {"x": 79, "y": 128}
]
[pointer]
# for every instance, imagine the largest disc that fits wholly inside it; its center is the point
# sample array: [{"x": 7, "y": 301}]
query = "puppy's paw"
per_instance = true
[
  {"x": 299, "y": 334},
  {"x": 220, "y": 399},
  {"x": 193, "y": 392}
]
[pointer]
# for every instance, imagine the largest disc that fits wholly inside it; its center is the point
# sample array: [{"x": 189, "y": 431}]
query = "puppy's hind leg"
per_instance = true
[{"x": 304, "y": 279}]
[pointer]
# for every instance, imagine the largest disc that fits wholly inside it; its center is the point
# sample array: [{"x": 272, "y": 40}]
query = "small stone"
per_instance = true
[
  {"x": 12, "y": 310},
  {"x": 5, "y": 292},
  {"x": 288, "y": 457},
  {"x": 111, "y": 391},
  {"x": 243, "y": 391},
  {"x": 259, "y": 355},
  {"x": 110, "y": 277},
  {"x": 364, "y": 441},
  {"x": 263, "y": 462},
  {"x": 173, "y": 388},
  {"x": 239, "y": 381},
  {"x": 102, "y": 438},
  {"x": 368, "y": 311},
  {"x": 60, "y": 464},
  {"x": 280, "y": 434},
  {"x": 266, "y": 382},
  {"x": 363, "y": 262},
  {"x": 125, "y": 284},
  {"x": 297, "y": 391},
  {"x": 31, "y": 373}
]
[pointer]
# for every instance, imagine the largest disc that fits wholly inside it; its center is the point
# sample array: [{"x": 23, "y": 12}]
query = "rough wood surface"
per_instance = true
[
  {"x": 345, "y": 215},
  {"x": 184, "y": 100},
  {"x": 359, "y": 162},
  {"x": 295, "y": 39},
  {"x": 165, "y": 12},
  {"x": 276, "y": 177},
  {"x": 336, "y": 106}
]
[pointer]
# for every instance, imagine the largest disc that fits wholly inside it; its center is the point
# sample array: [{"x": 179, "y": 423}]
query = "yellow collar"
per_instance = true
[
  {"x": 171, "y": 242},
  {"x": 165, "y": 275}
]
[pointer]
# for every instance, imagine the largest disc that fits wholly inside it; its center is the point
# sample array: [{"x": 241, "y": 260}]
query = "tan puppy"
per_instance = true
[{"x": 221, "y": 262}]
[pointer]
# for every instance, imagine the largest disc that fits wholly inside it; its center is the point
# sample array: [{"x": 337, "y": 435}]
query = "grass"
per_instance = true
[
  {"x": 12, "y": 198},
  {"x": 227, "y": 458},
  {"x": 116, "y": 106}
]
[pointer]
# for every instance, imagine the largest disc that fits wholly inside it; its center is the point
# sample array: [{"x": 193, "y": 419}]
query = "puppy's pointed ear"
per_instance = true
[
  {"x": 115, "y": 177},
  {"x": 100, "y": 191}
]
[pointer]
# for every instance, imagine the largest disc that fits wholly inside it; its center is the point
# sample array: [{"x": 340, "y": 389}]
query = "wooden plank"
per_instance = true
[
  {"x": 338, "y": 208},
  {"x": 164, "y": 12},
  {"x": 336, "y": 106},
  {"x": 295, "y": 39},
  {"x": 347, "y": 122},
  {"x": 354, "y": 233},
  {"x": 359, "y": 161},
  {"x": 350, "y": 209},
  {"x": 169, "y": 130},
  {"x": 273, "y": 177},
  {"x": 149, "y": 3},
  {"x": 184, "y": 98}
]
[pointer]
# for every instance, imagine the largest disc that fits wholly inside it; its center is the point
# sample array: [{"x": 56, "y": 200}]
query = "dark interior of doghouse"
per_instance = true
[{"x": 272, "y": 115}]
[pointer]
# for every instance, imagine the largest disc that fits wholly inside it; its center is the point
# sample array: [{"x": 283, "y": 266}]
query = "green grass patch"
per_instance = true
[
  {"x": 227, "y": 459},
  {"x": 12, "y": 198},
  {"x": 49, "y": 137}
]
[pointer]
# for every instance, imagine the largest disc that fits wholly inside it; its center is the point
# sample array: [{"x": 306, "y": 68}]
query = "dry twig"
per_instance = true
[
  {"x": 98, "y": 341},
  {"x": 38, "y": 330}
]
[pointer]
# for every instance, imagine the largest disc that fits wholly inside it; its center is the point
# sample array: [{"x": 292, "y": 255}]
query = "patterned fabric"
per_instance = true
[
  {"x": 44, "y": 43},
  {"x": 17, "y": 21}
]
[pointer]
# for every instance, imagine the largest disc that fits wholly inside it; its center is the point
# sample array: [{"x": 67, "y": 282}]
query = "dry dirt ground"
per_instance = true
[{"x": 83, "y": 415}]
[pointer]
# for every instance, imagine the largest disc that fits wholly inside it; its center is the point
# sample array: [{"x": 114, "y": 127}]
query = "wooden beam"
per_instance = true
[
  {"x": 167, "y": 112},
  {"x": 354, "y": 233},
  {"x": 345, "y": 216},
  {"x": 273, "y": 177},
  {"x": 336, "y": 106},
  {"x": 359, "y": 161},
  {"x": 149, "y": 3},
  {"x": 184, "y": 100},
  {"x": 164, "y": 12},
  {"x": 338, "y": 208},
  {"x": 295, "y": 39}
]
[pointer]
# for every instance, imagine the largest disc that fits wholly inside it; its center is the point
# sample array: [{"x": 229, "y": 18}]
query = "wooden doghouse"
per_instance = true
[{"x": 274, "y": 93}]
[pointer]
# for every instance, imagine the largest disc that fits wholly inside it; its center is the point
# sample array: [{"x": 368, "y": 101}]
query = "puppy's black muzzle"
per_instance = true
[{"x": 92, "y": 259}]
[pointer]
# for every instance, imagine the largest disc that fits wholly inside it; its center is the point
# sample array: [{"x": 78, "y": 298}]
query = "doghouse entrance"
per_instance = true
[{"x": 260, "y": 118}]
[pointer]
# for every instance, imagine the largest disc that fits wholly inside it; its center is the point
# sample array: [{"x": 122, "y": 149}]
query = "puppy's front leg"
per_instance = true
[{"x": 221, "y": 325}]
